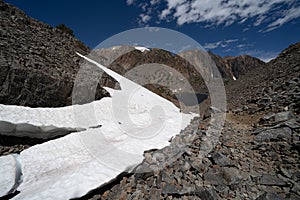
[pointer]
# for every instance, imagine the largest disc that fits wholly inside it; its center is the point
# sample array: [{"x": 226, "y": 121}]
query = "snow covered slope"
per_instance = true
[{"x": 132, "y": 121}]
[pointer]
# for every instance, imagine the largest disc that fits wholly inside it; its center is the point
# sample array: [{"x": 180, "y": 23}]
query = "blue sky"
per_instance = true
[{"x": 261, "y": 28}]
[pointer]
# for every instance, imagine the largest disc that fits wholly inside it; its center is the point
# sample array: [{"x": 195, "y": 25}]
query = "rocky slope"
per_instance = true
[
  {"x": 38, "y": 62},
  {"x": 256, "y": 157},
  {"x": 268, "y": 81}
]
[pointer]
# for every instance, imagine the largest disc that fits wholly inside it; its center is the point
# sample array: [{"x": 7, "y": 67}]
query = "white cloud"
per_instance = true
[
  {"x": 145, "y": 7},
  {"x": 227, "y": 50},
  {"x": 272, "y": 13},
  {"x": 240, "y": 46},
  {"x": 221, "y": 43},
  {"x": 212, "y": 45},
  {"x": 130, "y": 2},
  {"x": 143, "y": 19},
  {"x": 153, "y": 2},
  {"x": 231, "y": 40},
  {"x": 290, "y": 15}
]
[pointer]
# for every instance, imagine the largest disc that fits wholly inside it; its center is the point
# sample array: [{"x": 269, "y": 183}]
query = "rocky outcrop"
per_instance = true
[
  {"x": 241, "y": 65},
  {"x": 232, "y": 67},
  {"x": 38, "y": 62}
]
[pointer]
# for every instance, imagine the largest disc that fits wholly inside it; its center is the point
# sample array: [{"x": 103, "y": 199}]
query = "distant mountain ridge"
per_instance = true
[{"x": 236, "y": 66}]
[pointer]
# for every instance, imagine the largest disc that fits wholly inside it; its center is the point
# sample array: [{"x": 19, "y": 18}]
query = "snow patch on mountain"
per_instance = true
[
  {"x": 142, "y": 49},
  {"x": 131, "y": 121}
]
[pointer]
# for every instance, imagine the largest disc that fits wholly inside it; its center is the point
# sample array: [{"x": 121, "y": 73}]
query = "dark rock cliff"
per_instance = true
[{"x": 38, "y": 62}]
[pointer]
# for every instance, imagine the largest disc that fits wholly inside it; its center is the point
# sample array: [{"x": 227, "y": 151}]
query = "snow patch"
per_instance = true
[
  {"x": 142, "y": 49},
  {"x": 233, "y": 77},
  {"x": 132, "y": 121}
]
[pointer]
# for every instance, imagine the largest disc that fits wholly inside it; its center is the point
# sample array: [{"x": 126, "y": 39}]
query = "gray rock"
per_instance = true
[
  {"x": 220, "y": 159},
  {"x": 231, "y": 175},
  {"x": 166, "y": 176},
  {"x": 143, "y": 172},
  {"x": 271, "y": 134},
  {"x": 214, "y": 178},
  {"x": 268, "y": 118},
  {"x": 155, "y": 193},
  {"x": 207, "y": 194},
  {"x": 268, "y": 179},
  {"x": 283, "y": 116},
  {"x": 293, "y": 197},
  {"x": 292, "y": 123},
  {"x": 171, "y": 189},
  {"x": 296, "y": 188},
  {"x": 269, "y": 196},
  {"x": 285, "y": 172}
]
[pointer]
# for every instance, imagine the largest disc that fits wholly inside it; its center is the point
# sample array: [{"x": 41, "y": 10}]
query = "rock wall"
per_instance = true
[{"x": 38, "y": 62}]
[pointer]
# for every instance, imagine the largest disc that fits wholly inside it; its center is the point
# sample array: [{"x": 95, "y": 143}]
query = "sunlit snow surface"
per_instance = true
[
  {"x": 142, "y": 49},
  {"x": 132, "y": 121},
  {"x": 39, "y": 122}
]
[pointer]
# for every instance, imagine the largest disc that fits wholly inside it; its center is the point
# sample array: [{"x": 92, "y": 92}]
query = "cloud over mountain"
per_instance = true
[{"x": 271, "y": 14}]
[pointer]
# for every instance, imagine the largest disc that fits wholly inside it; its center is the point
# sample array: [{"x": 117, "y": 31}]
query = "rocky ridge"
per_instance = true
[
  {"x": 233, "y": 67},
  {"x": 38, "y": 62}
]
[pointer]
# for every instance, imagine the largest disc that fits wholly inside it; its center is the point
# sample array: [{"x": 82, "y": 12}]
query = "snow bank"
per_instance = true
[
  {"x": 142, "y": 49},
  {"x": 10, "y": 172},
  {"x": 41, "y": 122},
  {"x": 132, "y": 121}
]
